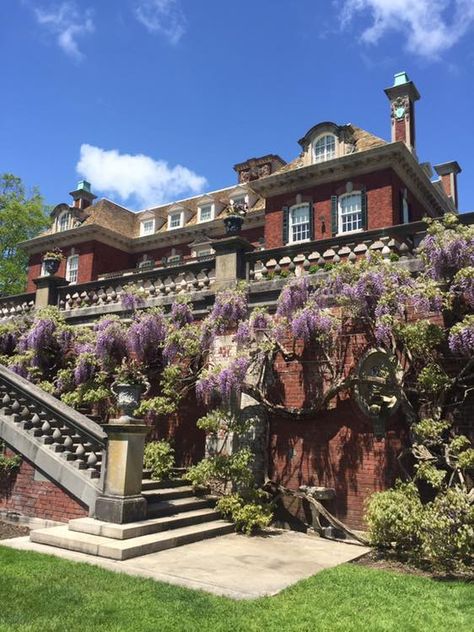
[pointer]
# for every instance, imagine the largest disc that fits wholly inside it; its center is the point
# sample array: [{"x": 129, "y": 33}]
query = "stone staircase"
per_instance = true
[
  {"x": 175, "y": 517},
  {"x": 71, "y": 449}
]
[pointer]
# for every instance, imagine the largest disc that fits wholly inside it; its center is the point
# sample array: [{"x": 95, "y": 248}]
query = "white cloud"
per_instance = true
[
  {"x": 430, "y": 26},
  {"x": 67, "y": 23},
  {"x": 136, "y": 179},
  {"x": 161, "y": 16}
]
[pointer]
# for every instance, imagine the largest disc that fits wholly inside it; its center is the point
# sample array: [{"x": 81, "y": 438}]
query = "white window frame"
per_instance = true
[
  {"x": 72, "y": 272},
  {"x": 174, "y": 214},
  {"x": 405, "y": 210},
  {"x": 59, "y": 221},
  {"x": 143, "y": 223},
  {"x": 340, "y": 214},
  {"x": 326, "y": 155},
  {"x": 210, "y": 206},
  {"x": 292, "y": 224}
]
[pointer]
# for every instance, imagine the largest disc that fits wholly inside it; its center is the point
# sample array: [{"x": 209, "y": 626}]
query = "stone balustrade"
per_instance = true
[
  {"x": 399, "y": 242},
  {"x": 160, "y": 282},
  {"x": 16, "y": 305}
]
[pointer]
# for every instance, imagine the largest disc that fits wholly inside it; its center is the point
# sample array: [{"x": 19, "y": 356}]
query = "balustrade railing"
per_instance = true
[
  {"x": 156, "y": 283},
  {"x": 395, "y": 242},
  {"x": 16, "y": 305},
  {"x": 73, "y": 436}
]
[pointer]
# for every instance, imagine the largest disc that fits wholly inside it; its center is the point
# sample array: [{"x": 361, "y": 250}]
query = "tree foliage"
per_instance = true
[{"x": 22, "y": 216}]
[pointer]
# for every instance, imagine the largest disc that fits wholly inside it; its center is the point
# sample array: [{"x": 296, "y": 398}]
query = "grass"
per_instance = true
[{"x": 44, "y": 593}]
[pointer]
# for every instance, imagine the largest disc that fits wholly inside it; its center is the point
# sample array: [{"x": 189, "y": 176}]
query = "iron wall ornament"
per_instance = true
[{"x": 377, "y": 389}]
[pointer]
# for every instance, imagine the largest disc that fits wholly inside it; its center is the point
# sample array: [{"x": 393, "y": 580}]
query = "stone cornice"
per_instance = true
[
  {"x": 96, "y": 232},
  {"x": 392, "y": 155}
]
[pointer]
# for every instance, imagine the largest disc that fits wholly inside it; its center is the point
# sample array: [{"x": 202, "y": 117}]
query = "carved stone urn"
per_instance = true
[
  {"x": 51, "y": 265},
  {"x": 233, "y": 224},
  {"x": 128, "y": 397}
]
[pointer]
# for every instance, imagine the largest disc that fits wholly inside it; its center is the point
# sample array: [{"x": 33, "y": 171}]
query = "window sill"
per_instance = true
[{"x": 350, "y": 232}]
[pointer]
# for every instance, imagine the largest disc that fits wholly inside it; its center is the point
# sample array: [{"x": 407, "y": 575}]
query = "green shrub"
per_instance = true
[
  {"x": 224, "y": 470},
  {"x": 249, "y": 512},
  {"x": 159, "y": 458},
  {"x": 8, "y": 464},
  {"x": 394, "y": 519},
  {"x": 447, "y": 531},
  {"x": 439, "y": 534}
]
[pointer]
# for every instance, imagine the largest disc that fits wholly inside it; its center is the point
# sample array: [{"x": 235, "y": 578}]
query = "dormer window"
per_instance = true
[
  {"x": 147, "y": 227},
  {"x": 324, "y": 148},
  {"x": 175, "y": 220},
  {"x": 64, "y": 221},
  {"x": 206, "y": 212}
]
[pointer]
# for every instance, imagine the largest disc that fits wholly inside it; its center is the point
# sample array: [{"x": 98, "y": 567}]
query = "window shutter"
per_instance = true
[
  {"x": 311, "y": 220},
  {"x": 363, "y": 207},
  {"x": 400, "y": 205},
  {"x": 286, "y": 224},
  {"x": 334, "y": 215}
]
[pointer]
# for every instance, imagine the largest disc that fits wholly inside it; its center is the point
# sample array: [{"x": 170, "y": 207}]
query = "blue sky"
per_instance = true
[{"x": 157, "y": 99}]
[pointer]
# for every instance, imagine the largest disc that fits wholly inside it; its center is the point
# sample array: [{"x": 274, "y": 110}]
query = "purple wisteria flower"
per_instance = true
[
  {"x": 111, "y": 343},
  {"x": 181, "y": 314},
  {"x": 243, "y": 334},
  {"x": 86, "y": 368},
  {"x": 461, "y": 337},
  {"x": 230, "y": 307},
  {"x": 224, "y": 383},
  {"x": 293, "y": 297},
  {"x": 310, "y": 323},
  {"x": 146, "y": 335}
]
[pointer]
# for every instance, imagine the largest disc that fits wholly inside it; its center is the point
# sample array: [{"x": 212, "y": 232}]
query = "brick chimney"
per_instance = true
[
  {"x": 255, "y": 168},
  {"x": 83, "y": 196},
  {"x": 403, "y": 95},
  {"x": 448, "y": 172}
]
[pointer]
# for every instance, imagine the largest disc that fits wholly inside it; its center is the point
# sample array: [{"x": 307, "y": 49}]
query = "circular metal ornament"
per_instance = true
[{"x": 379, "y": 376}]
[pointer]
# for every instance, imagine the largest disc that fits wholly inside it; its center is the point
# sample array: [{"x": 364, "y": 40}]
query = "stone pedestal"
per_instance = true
[
  {"x": 230, "y": 260},
  {"x": 122, "y": 500},
  {"x": 47, "y": 290}
]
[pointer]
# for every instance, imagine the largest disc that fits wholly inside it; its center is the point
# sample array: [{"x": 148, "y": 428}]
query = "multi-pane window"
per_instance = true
[
  {"x": 147, "y": 227},
  {"x": 205, "y": 213},
  {"x": 299, "y": 228},
  {"x": 72, "y": 268},
  {"x": 64, "y": 221},
  {"x": 325, "y": 148},
  {"x": 350, "y": 212},
  {"x": 174, "y": 220}
]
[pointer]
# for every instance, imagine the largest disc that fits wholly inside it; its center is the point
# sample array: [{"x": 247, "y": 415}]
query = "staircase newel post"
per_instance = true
[{"x": 122, "y": 501}]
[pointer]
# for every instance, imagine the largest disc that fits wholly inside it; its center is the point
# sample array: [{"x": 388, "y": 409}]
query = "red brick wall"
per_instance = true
[
  {"x": 39, "y": 499},
  {"x": 95, "y": 258},
  {"x": 383, "y": 205},
  {"x": 336, "y": 449}
]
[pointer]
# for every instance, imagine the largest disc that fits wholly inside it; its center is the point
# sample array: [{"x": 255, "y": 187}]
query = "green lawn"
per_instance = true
[{"x": 45, "y": 593}]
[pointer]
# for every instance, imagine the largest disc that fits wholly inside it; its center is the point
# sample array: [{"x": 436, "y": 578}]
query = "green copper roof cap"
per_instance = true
[
  {"x": 400, "y": 78},
  {"x": 83, "y": 185}
]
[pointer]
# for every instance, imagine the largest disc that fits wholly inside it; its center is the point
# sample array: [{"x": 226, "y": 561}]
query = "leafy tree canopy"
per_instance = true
[{"x": 22, "y": 216}]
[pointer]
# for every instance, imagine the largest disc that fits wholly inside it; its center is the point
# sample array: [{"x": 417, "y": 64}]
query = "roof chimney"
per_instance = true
[
  {"x": 255, "y": 168},
  {"x": 448, "y": 172},
  {"x": 403, "y": 95},
  {"x": 83, "y": 196}
]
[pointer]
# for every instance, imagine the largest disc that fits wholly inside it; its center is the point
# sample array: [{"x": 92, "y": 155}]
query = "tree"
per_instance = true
[{"x": 22, "y": 216}]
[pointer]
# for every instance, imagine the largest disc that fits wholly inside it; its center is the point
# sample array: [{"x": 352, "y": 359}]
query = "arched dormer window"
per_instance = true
[
  {"x": 64, "y": 221},
  {"x": 324, "y": 148}
]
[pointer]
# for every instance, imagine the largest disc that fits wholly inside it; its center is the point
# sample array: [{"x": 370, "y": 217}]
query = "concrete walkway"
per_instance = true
[{"x": 232, "y": 565}]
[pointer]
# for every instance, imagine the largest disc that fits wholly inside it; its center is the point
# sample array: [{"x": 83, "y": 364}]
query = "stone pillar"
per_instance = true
[
  {"x": 47, "y": 290},
  {"x": 122, "y": 500},
  {"x": 230, "y": 260}
]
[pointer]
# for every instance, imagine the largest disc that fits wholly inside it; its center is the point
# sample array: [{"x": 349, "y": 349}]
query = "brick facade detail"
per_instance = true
[{"x": 21, "y": 493}]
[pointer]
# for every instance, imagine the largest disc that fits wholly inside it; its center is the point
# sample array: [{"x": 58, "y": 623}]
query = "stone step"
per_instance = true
[
  {"x": 171, "y": 507},
  {"x": 63, "y": 538},
  {"x": 144, "y": 527},
  {"x": 149, "y": 483},
  {"x": 168, "y": 493}
]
